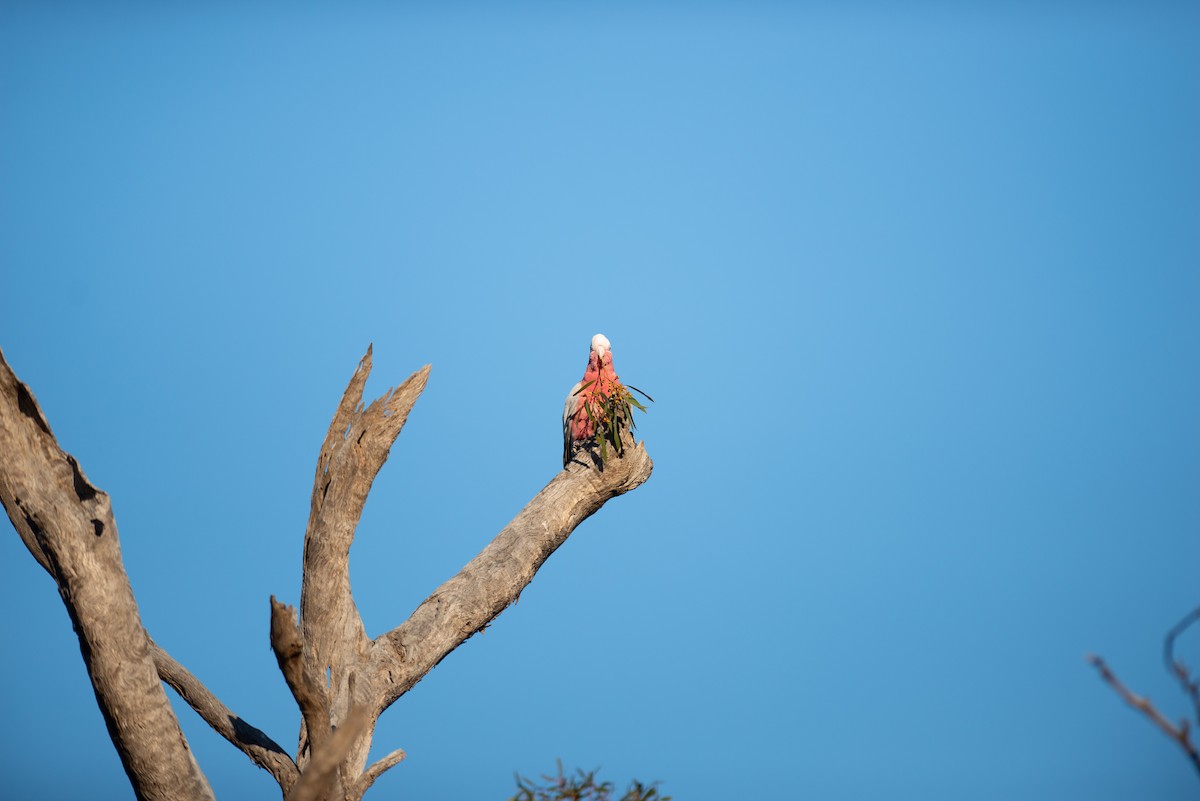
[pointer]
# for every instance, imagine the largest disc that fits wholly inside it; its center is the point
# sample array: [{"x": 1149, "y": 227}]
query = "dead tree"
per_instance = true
[{"x": 342, "y": 678}]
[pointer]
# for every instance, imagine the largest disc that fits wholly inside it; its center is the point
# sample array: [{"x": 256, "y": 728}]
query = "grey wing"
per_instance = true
[{"x": 568, "y": 412}]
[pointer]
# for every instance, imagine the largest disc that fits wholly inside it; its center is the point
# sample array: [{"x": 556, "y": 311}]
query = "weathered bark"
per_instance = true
[
  {"x": 311, "y": 695},
  {"x": 68, "y": 526},
  {"x": 341, "y": 679},
  {"x": 355, "y": 448}
]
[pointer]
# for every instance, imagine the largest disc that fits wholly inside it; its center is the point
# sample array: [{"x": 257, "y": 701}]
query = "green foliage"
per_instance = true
[
  {"x": 582, "y": 787},
  {"x": 611, "y": 413}
]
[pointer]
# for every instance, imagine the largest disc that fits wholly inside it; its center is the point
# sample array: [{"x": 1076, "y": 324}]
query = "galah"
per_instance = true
[{"x": 599, "y": 404}]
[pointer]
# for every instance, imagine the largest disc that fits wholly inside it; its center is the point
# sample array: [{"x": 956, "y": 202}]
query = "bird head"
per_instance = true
[{"x": 601, "y": 347}]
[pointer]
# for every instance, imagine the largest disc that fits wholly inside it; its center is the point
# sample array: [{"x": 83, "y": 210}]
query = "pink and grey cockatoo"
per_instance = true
[{"x": 591, "y": 394}]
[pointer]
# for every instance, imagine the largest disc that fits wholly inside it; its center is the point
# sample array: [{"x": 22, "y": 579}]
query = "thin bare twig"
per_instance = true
[
  {"x": 264, "y": 751},
  {"x": 1176, "y": 668},
  {"x": 376, "y": 770},
  {"x": 1180, "y": 734}
]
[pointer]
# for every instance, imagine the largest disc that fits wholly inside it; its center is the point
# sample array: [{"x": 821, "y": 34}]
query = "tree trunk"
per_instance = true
[{"x": 67, "y": 524}]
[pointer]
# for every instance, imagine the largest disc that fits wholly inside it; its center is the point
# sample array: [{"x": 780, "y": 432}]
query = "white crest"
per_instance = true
[{"x": 600, "y": 344}]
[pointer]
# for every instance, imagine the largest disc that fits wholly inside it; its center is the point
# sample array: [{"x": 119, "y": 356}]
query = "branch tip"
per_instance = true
[
  {"x": 1179, "y": 734},
  {"x": 376, "y": 770}
]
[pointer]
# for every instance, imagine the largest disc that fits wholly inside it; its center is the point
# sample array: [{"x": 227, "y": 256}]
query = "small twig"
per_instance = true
[
  {"x": 1176, "y": 668},
  {"x": 376, "y": 770},
  {"x": 1180, "y": 734}
]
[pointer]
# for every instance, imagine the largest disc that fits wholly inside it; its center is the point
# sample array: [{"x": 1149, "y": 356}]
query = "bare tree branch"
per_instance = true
[
  {"x": 376, "y": 770},
  {"x": 495, "y": 578},
  {"x": 1191, "y": 687},
  {"x": 67, "y": 523},
  {"x": 264, "y": 751},
  {"x": 1180, "y": 734},
  {"x": 355, "y": 448}
]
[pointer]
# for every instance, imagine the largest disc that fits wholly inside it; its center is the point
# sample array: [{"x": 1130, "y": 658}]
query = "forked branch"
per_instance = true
[
  {"x": 1180, "y": 734},
  {"x": 1176, "y": 667},
  {"x": 355, "y": 448}
]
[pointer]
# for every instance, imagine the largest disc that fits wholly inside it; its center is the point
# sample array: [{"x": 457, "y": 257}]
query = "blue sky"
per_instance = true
[{"x": 916, "y": 289}]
